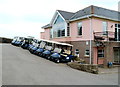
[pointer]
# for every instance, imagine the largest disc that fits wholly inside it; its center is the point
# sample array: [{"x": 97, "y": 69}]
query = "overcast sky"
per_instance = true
[{"x": 26, "y": 17}]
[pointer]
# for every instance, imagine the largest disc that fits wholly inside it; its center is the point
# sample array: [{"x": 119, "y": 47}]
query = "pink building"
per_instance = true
[{"x": 94, "y": 31}]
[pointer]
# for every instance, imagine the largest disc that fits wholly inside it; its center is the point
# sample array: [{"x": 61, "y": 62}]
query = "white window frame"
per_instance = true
[
  {"x": 78, "y": 28},
  {"x": 86, "y": 51},
  {"x": 104, "y": 26},
  {"x": 117, "y": 31},
  {"x": 101, "y": 53}
]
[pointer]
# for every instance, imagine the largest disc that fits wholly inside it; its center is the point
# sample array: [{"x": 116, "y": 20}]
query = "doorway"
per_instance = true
[{"x": 117, "y": 55}]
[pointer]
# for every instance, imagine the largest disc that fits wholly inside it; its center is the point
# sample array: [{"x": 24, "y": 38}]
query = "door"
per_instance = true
[
  {"x": 118, "y": 34},
  {"x": 117, "y": 55}
]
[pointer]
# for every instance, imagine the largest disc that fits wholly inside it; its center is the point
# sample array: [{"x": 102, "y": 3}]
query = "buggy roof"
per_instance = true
[{"x": 59, "y": 43}]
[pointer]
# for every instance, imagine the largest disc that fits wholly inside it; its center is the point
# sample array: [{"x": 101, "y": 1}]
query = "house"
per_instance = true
[{"x": 94, "y": 31}]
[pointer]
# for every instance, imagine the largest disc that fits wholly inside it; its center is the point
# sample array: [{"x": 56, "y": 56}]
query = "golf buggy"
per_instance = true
[
  {"x": 63, "y": 53},
  {"x": 34, "y": 46},
  {"x": 26, "y": 43},
  {"x": 40, "y": 48},
  {"x": 48, "y": 49},
  {"x": 17, "y": 41}
]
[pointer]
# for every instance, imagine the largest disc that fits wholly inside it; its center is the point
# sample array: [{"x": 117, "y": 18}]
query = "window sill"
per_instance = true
[
  {"x": 60, "y": 37},
  {"x": 100, "y": 57},
  {"x": 79, "y": 36},
  {"x": 86, "y": 56}
]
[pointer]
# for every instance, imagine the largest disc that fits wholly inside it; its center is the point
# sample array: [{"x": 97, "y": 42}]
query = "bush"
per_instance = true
[{"x": 84, "y": 67}]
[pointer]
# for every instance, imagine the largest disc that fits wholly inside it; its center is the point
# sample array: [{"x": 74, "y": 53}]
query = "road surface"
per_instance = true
[{"x": 20, "y": 67}]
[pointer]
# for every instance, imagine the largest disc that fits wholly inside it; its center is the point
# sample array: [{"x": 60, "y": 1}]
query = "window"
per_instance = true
[
  {"x": 100, "y": 53},
  {"x": 68, "y": 30},
  {"x": 58, "y": 20},
  {"x": 58, "y": 27},
  {"x": 117, "y": 32},
  {"x": 104, "y": 27},
  {"x": 51, "y": 33},
  {"x": 80, "y": 28},
  {"x": 87, "y": 52}
]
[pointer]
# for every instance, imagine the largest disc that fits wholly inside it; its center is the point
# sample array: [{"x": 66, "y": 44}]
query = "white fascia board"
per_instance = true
[
  {"x": 106, "y": 18},
  {"x": 87, "y": 16},
  {"x": 61, "y": 16},
  {"x": 65, "y": 29},
  {"x": 53, "y": 18}
]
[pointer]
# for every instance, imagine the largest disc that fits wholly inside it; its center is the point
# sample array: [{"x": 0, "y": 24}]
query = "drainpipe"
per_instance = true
[{"x": 90, "y": 61}]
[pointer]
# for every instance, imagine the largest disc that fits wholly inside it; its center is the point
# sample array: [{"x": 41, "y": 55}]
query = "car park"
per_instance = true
[{"x": 52, "y": 50}]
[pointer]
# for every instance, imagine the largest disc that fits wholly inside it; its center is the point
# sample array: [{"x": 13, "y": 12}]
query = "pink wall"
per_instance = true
[
  {"x": 96, "y": 27},
  {"x": 42, "y": 35},
  {"x": 85, "y": 30},
  {"x": 97, "y": 24},
  {"x": 62, "y": 39},
  {"x": 45, "y": 34}
]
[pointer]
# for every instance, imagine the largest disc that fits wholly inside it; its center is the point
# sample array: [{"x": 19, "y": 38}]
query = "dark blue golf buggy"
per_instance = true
[
  {"x": 48, "y": 49},
  {"x": 17, "y": 41},
  {"x": 26, "y": 43},
  {"x": 31, "y": 45},
  {"x": 35, "y": 46},
  {"x": 63, "y": 53},
  {"x": 40, "y": 48}
]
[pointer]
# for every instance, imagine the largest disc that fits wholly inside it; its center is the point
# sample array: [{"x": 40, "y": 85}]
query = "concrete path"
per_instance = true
[{"x": 20, "y": 67}]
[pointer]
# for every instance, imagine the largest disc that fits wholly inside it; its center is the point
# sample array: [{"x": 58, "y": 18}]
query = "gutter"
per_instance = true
[{"x": 93, "y": 15}]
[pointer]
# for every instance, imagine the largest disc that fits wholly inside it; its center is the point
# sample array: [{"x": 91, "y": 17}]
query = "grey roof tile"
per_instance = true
[
  {"x": 96, "y": 11},
  {"x": 47, "y": 26},
  {"x": 66, "y": 15}
]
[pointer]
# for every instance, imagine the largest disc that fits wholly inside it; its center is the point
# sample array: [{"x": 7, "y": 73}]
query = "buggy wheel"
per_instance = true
[
  {"x": 71, "y": 60},
  {"x": 49, "y": 58},
  {"x": 57, "y": 61}
]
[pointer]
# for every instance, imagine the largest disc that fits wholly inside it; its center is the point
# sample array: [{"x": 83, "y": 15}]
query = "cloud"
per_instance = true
[{"x": 26, "y": 17}]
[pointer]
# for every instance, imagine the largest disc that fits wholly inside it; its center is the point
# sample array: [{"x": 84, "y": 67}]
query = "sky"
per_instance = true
[{"x": 26, "y": 17}]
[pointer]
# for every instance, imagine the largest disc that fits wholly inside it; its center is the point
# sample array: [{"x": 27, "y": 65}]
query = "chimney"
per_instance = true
[{"x": 92, "y": 9}]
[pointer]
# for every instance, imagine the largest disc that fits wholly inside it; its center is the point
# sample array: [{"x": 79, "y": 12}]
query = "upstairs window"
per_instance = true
[
  {"x": 58, "y": 27},
  {"x": 58, "y": 20},
  {"x": 104, "y": 24},
  {"x": 68, "y": 29},
  {"x": 51, "y": 33},
  {"x": 80, "y": 28},
  {"x": 117, "y": 32}
]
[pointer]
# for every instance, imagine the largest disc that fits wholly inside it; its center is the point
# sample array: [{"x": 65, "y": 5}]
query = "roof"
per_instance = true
[
  {"x": 49, "y": 41},
  {"x": 97, "y": 11},
  {"x": 47, "y": 26},
  {"x": 81, "y": 13},
  {"x": 91, "y": 10},
  {"x": 66, "y": 15}
]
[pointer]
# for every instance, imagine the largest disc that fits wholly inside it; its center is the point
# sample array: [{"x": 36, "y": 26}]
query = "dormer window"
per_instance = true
[
  {"x": 58, "y": 20},
  {"x": 59, "y": 26}
]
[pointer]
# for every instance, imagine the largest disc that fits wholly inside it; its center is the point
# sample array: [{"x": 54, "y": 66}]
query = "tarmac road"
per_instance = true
[{"x": 20, "y": 67}]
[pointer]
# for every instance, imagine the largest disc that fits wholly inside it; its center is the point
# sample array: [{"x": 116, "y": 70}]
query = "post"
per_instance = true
[
  {"x": 90, "y": 40},
  {"x": 90, "y": 61}
]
